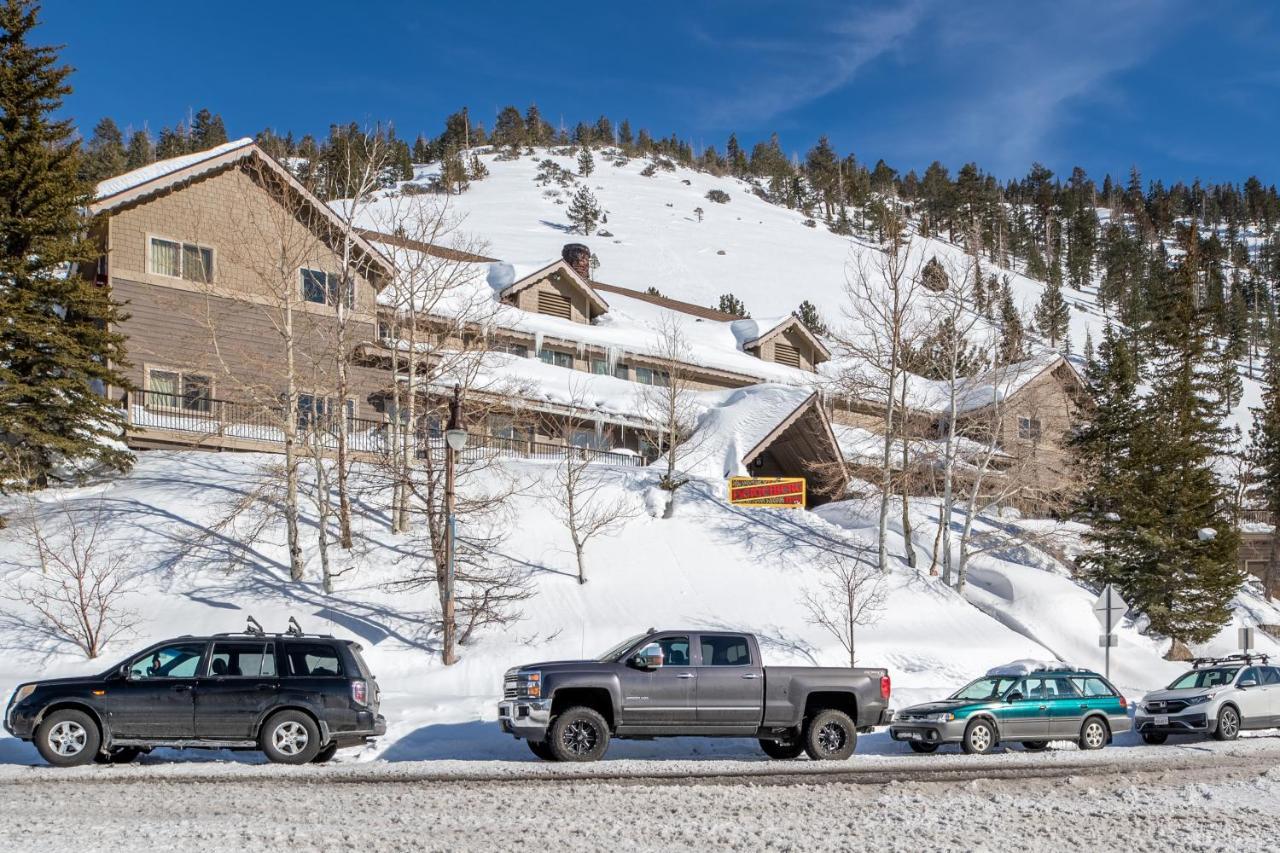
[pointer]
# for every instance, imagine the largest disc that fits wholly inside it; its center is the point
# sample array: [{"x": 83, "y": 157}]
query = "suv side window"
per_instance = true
[
  {"x": 1063, "y": 688},
  {"x": 1093, "y": 687},
  {"x": 313, "y": 660},
  {"x": 1270, "y": 675},
  {"x": 725, "y": 651},
  {"x": 246, "y": 660},
  {"x": 176, "y": 660},
  {"x": 675, "y": 651},
  {"x": 1250, "y": 674}
]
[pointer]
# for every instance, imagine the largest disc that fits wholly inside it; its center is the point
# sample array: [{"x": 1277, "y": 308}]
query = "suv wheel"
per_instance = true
[
  {"x": 1093, "y": 734},
  {"x": 290, "y": 737},
  {"x": 1155, "y": 738},
  {"x": 68, "y": 738},
  {"x": 783, "y": 750},
  {"x": 830, "y": 736},
  {"x": 541, "y": 749},
  {"x": 979, "y": 737},
  {"x": 579, "y": 734},
  {"x": 1228, "y": 724}
]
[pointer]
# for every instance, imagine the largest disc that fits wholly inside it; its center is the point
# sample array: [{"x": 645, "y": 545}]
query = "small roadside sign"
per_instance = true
[
  {"x": 1110, "y": 608},
  {"x": 1108, "y": 641},
  {"x": 1245, "y": 636},
  {"x": 785, "y": 492}
]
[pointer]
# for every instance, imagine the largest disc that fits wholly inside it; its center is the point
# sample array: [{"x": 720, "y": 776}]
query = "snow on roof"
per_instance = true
[
  {"x": 1026, "y": 666},
  {"x": 160, "y": 168},
  {"x": 733, "y": 423}
]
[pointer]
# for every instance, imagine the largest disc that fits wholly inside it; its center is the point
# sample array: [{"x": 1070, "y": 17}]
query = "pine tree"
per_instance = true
[
  {"x": 140, "y": 152},
  {"x": 453, "y": 172},
  {"x": 730, "y": 304},
  {"x": 1011, "y": 329},
  {"x": 477, "y": 171},
  {"x": 1053, "y": 314},
  {"x": 586, "y": 163},
  {"x": 1264, "y": 448},
  {"x": 58, "y": 348},
  {"x": 207, "y": 131},
  {"x": 509, "y": 130},
  {"x": 808, "y": 314},
  {"x": 104, "y": 156},
  {"x": 1227, "y": 384},
  {"x": 584, "y": 212},
  {"x": 172, "y": 143}
]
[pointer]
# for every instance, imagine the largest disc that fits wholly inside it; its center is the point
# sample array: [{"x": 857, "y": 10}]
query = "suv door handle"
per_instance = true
[
  {"x": 751, "y": 675},
  {"x": 273, "y": 687},
  {"x": 686, "y": 675},
  {"x": 180, "y": 688},
  {"x": 1044, "y": 707},
  {"x": 1084, "y": 706}
]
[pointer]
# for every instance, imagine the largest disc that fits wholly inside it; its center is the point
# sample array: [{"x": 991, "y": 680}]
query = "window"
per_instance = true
[
  {"x": 1091, "y": 687},
  {"x": 1029, "y": 429},
  {"x": 1250, "y": 674},
  {"x": 559, "y": 359},
  {"x": 313, "y": 409},
  {"x": 586, "y": 438},
  {"x": 991, "y": 687},
  {"x": 555, "y": 305},
  {"x": 649, "y": 376},
  {"x": 786, "y": 354},
  {"x": 323, "y": 288},
  {"x": 179, "y": 391},
  {"x": 675, "y": 651},
  {"x": 245, "y": 660},
  {"x": 600, "y": 367},
  {"x": 1062, "y": 688},
  {"x": 181, "y": 260},
  {"x": 725, "y": 651},
  {"x": 311, "y": 660},
  {"x": 178, "y": 660},
  {"x": 512, "y": 349},
  {"x": 504, "y": 426},
  {"x": 1270, "y": 675}
]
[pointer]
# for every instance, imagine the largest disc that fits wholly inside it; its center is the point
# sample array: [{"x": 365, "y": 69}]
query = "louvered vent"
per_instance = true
[
  {"x": 555, "y": 305},
  {"x": 786, "y": 354}
]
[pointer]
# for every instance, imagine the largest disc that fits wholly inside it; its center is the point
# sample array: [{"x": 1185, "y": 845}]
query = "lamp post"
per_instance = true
[{"x": 455, "y": 438}]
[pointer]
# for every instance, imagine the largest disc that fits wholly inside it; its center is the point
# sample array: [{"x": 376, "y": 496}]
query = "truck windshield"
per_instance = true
[
  {"x": 613, "y": 652},
  {"x": 991, "y": 687},
  {"x": 1205, "y": 678}
]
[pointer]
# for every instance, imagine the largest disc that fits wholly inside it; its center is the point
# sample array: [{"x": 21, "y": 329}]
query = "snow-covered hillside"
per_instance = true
[{"x": 710, "y": 565}]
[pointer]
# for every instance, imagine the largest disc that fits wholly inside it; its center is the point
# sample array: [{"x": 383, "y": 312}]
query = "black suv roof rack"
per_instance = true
[
  {"x": 1246, "y": 659},
  {"x": 254, "y": 629}
]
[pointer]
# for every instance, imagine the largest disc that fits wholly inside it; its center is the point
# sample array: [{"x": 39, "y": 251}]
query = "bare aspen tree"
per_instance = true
[
  {"x": 848, "y": 595},
  {"x": 83, "y": 581},
  {"x": 880, "y": 292},
  {"x": 580, "y": 499},
  {"x": 669, "y": 405}
]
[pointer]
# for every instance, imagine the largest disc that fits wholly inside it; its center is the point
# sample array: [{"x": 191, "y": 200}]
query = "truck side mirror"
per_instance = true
[{"x": 650, "y": 657}]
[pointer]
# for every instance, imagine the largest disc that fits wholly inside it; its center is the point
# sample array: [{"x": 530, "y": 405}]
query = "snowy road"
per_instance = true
[{"x": 1199, "y": 795}]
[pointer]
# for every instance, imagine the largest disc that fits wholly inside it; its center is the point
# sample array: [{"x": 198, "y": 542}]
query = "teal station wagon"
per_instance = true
[{"x": 1031, "y": 704}]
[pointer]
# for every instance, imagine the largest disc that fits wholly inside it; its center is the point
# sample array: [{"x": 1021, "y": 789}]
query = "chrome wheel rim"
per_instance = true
[
  {"x": 1229, "y": 723},
  {"x": 832, "y": 737},
  {"x": 1094, "y": 735},
  {"x": 580, "y": 737},
  {"x": 290, "y": 738},
  {"x": 980, "y": 738},
  {"x": 67, "y": 738}
]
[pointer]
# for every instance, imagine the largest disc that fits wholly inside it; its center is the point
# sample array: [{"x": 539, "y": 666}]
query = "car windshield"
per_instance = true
[
  {"x": 991, "y": 687},
  {"x": 612, "y": 653},
  {"x": 1215, "y": 677}
]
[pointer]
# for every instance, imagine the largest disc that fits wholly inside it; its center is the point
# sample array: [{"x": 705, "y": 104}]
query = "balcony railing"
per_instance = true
[{"x": 229, "y": 423}]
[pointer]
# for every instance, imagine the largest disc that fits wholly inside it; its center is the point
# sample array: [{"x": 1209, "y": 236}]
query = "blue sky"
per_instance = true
[{"x": 1182, "y": 89}]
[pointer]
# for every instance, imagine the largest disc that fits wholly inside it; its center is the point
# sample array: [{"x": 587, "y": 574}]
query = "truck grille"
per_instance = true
[
  {"x": 510, "y": 687},
  {"x": 1172, "y": 706}
]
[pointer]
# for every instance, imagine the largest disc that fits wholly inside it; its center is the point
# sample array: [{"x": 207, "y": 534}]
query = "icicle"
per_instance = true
[
  {"x": 582, "y": 349},
  {"x": 612, "y": 356},
  {"x": 537, "y": 344}
]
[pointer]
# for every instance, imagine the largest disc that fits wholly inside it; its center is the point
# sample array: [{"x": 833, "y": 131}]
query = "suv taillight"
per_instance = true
[
  {"x": 1124, "y": 703},
  {"x": 885, "y": 686},
  {"x": 360, "y": 692}
]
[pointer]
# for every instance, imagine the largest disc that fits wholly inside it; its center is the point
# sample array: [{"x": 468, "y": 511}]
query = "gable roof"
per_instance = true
[
  {"x": 162, "y": 175},
  {"x": 753, "y": 337},
  {"x": 557, "y": 266},
  {"x": 667, "y": 302}
]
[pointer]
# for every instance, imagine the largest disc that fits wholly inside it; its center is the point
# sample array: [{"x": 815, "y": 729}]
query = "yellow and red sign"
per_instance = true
[{"x": 783, "y": 492}]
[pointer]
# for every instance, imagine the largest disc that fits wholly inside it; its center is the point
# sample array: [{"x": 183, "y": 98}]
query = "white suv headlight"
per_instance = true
[{"x": 1200, "y": 700}]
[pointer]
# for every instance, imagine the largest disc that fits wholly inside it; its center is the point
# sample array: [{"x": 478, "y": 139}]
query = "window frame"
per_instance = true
[
  {"x": 286, "y": 671},
  {"x": 330, "y": 282},
  {"x": 556, "y": 356},
  {"x": 268, "y": 652},
  {"x": 314, "y": 415},
  {"x": 182, "y": 254},
  {"x": 200, "y": 662},
  {"x": 181, "y": 394},
  {"x": 1030, "y": 428},
  {"x": 750, "y": 662}
]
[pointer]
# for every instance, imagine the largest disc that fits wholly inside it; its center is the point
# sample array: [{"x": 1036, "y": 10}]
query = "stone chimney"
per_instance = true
[{"x": 578, "y": 256}]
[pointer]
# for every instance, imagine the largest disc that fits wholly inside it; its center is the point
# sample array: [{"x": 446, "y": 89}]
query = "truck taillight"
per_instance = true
[
  {"x": 360, "y": 692},
  {"x": 885, "y": 686}
]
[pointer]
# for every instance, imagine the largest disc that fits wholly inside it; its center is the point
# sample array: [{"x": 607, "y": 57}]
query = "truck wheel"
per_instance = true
[
  {"x": 541, "y": 749},
  {"x": 119, "y": 755},
  {"x": 1155, "y": 738},
  {"x": 979, "y": 738},
  {"x": 326, "y": 753},
  {"x": 1228, "y": 724},
  {"x": 1035, "y": 745},
  {"x": 579, "y": 734},
  {"x": 922, "y": 747},
  {"x": 290, "y": 737},
  {"x": 68, "y": 738},
  {"x": 1093, "y": 734},
  {"x": 830, "y": 736},
  {"x": 782, "y": 750}
]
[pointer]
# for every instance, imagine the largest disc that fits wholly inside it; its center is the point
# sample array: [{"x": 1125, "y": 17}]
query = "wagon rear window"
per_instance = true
[{"x": 312, "y": 660}]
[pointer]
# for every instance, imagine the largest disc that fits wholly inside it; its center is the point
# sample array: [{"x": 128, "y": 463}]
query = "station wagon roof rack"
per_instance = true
[
  {"x": 253, "y": 628},
  {"x": 1247, "y": 659}
]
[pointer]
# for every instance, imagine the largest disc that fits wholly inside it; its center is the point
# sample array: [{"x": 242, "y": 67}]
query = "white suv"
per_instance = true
[{"x": 1219, "y": 696}]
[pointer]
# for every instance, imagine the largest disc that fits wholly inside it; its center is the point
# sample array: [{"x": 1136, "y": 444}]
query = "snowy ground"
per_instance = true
[{"x": 1199, "y": 796}]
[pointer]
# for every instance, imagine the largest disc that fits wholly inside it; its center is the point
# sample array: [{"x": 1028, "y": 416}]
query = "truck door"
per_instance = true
[
  {"x": 662, "y": 697},
  {"x": 730, "y": 683}
]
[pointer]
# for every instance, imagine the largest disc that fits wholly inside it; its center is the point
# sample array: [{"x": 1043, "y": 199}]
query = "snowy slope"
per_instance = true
[{"x": 710, "y": 565}]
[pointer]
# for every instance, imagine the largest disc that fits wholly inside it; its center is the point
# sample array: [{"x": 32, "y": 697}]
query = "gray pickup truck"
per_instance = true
[{"x": 689, "y": 682}]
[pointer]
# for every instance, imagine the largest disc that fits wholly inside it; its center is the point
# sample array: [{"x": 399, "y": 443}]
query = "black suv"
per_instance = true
[{"x": 297, "y": 697}]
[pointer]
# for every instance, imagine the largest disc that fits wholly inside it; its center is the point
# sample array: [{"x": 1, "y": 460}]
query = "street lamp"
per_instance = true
[{"x": 455, "y": 438}]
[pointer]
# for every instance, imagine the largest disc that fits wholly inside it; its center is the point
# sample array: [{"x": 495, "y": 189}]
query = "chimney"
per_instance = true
[{"x": 578, "y": 256}]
